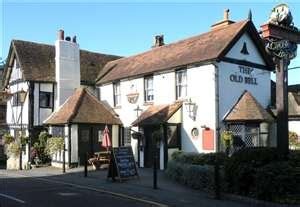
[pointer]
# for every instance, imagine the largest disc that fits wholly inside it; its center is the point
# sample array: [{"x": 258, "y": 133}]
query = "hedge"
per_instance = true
[
  {"x": 194, "y": 176},
  {"x": 199, "y": 158}
]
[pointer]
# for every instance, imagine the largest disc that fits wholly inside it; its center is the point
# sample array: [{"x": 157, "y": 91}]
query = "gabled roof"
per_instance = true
[
  {"x": 247, "y": 108},
  {"x": 157, "y": 114},
  {"x": 207, "y": 47},
  {"x": 83, "y": 107},
  {"x": 38, "y": 62}
]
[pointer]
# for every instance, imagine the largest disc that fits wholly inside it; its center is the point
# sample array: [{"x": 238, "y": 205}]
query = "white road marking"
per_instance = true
[{"x": 12, "y": 198}]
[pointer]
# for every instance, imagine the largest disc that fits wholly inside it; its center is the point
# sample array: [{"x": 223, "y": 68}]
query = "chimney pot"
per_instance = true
[
  {"x": 158, "y": 40},
  {"x": 74, "y": 39},
  {"x": 68, "y": 38},
  {"x": 226, "y": 14},
  {"x": 60, "y": 34}
]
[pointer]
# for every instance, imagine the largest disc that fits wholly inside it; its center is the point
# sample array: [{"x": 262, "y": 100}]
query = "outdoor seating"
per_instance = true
[{"x": 100, "y": 160}]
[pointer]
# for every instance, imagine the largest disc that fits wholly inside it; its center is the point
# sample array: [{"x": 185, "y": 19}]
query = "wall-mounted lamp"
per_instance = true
[
  {"x": 191, "y": 108},
  {"x": 205, "y": 127}
]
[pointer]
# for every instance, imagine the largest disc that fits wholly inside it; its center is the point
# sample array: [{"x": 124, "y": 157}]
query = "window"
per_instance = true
[
  {"x": 148, "y": 89},
  {"x": 16, "y": 99},
  {"x": 127, "y": 136},
  {"x": 172, "y": 137},
  {"x": 58, "y": 131},
  {"x": 117, "y": 94},
  {"x": 181, "y": 84},
  {"x": 46, "y": 100}
]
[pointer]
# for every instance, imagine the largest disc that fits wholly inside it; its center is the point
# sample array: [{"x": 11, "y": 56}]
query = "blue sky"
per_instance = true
[{"x": 126, "y": 27}]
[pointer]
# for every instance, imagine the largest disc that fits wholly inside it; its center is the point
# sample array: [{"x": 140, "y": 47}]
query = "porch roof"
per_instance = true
[
  {"x": 247, "y": 108},
  {"x": 83, "y": 107},
  {"x": 157, "y": 114}
]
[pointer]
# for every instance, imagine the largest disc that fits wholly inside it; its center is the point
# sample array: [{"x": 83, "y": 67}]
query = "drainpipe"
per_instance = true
[{"x": 217, "y": 106}]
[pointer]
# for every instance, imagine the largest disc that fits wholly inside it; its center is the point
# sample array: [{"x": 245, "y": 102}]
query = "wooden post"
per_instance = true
[
  {"x": 85, "y": 164},
  {"x": 155, "y": 168},
  {"x": 64, "y": 160},
  {"x": 282, "y": 106}
]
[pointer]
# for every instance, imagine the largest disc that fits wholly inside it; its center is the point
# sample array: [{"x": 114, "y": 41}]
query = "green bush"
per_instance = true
[
  {"x": 240, "y": 169},
  {"x": 7, "y": 139},
  {"x": 199, "y": 159},
  {"x": 275, "y": 182},
  {"x": 54, "y": 145},
  {"x": 194, "y": 176},
  {"x": 39, "y": 148}
]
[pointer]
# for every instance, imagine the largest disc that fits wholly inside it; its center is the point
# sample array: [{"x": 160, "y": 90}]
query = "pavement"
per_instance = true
[{"x": 169, "y": 193}]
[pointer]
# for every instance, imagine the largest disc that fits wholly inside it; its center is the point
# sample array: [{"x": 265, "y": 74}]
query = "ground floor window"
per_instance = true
[
  {"x": 58, "y": 131},
  {"x": 173, "y": 140},
  {"x": 245, "y": 135}
]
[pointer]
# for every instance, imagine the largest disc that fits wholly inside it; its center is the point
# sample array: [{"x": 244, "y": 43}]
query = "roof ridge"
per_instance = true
[{"x": 178, "y": 41}]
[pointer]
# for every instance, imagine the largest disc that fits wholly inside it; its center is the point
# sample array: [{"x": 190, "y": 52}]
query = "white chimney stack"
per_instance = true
[{"x": 67, "y": 67}]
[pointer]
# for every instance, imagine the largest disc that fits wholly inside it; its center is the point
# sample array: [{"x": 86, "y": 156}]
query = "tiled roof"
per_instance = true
[
  {"x": 38, "y": 61},
  {"x": 83, "y": 107},
  {"x": 157, "y": 114},
  {"x": 247, "y": 108},
  {"x": 203, "y": 48}
]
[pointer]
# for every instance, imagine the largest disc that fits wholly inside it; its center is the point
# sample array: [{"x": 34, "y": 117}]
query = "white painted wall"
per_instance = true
[
  {"x": 14, "y": 112},
  {"x": 41, "y": 114},
  {"x": 229, "y": 91},
  {"x": 253, "y": 56},
  {"x": 201, "y": 90},
  {"x": 74, "y": 143}
]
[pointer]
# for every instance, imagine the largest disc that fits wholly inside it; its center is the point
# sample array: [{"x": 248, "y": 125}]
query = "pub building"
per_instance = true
[{"x": 192, "y": 90}]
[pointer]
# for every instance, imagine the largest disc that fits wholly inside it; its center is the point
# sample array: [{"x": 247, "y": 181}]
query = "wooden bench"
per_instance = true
[{"x": 100, "y": 160}]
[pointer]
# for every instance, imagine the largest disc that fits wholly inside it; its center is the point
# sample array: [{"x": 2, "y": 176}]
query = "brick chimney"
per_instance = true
[
  {"x": 224, "y": 22},
  {"x": 67, "y": 67},
  {"x": 158, "y": 41}
]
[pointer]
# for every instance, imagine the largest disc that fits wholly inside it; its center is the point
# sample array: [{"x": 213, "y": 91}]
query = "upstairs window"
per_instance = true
[
  {"x": 117, "y": 94},
  {"x": 181, "y": 84},
  {"x": 148, "y": 89},
  {"x": 46, "y": 100},
  {"x": 16, "y": 99}
]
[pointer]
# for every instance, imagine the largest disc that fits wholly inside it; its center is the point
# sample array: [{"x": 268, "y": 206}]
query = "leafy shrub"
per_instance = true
[
  {"x": 7, "y": 139},
  {"x": 39, "y": 148},
  {"x": 13, "y": 149},
  {"x": 54, "y": 145},
  {"x": 194, "y": 176},
  {"x": 275, "y": 181},
  {"x": 199, "y": 159},
  {"x": 240, "y": 169}
]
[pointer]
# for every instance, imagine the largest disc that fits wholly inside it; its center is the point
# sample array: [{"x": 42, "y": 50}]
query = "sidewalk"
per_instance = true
[{"x": 168, "y": 192}]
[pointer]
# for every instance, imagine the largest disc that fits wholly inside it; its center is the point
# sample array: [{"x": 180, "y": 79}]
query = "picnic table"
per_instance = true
[{"x": 100, "y": 160}]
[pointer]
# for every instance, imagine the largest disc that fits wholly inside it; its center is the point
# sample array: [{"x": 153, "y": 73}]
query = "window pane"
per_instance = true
[
  {"x": 148, "y": 89},
  {"x": 45, "y": 99}
]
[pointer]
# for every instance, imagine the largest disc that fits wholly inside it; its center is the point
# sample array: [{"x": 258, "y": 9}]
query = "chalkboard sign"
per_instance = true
[{"x": 122, "y": 163}]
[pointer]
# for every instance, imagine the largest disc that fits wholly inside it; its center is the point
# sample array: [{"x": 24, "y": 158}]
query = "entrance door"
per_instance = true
[
  {"x": 149, "y": 146},
  {"x": 84, "y": 143}
]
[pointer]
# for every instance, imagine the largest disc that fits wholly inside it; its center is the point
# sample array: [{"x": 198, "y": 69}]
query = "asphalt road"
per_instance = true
[{"x": 21, "y": 191}]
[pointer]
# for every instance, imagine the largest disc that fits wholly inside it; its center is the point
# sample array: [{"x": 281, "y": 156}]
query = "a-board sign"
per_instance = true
[{"x": 122, "y": 164}]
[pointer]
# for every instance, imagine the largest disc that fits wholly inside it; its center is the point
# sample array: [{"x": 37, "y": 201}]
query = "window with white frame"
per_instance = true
[
  {"x": 148, "y": 89},
  {"x": 181, "y": 84},
  {"x": 117, "y": 94}
]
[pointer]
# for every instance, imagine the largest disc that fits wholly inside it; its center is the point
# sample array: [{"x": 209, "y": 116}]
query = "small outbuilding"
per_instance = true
[{"x": 81, "y": 121}]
